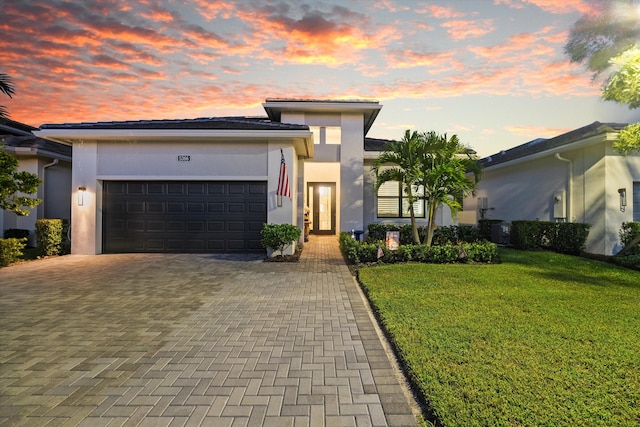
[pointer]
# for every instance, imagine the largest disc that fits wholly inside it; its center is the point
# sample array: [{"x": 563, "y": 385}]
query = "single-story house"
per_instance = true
[
  {"x": 51, "y": 162},
  {"x": 574, "y": 177},
  {"x": 209, "y": 184}
]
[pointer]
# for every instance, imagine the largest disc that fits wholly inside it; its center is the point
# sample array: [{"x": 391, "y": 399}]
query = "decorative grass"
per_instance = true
[{"x": 540, "y": 340}]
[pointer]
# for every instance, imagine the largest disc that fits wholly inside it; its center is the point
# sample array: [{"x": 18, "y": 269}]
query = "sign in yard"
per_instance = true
[{"x": 393, "y": 240}]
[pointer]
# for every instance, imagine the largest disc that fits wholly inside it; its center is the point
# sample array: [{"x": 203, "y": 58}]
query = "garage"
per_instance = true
[{"x": 183, "y": 216}]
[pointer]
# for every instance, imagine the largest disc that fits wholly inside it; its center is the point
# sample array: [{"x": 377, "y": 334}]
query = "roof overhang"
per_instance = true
[
  {"x": 369, "y": 109},
  {"x": 594, "y": 139},
  {"x": 302, "y": 140}
]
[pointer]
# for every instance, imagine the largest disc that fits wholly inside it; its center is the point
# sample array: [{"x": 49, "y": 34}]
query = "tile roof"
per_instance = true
[
  {"x": 375, "y": 144},
  {"x": 540, "y": 145},
  {"x": 227, "y": 123},
  {"x": 342, "y": 101}
]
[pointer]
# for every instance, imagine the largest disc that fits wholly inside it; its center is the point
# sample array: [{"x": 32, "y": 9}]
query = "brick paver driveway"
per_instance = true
[{"x": 190, "y": 340}]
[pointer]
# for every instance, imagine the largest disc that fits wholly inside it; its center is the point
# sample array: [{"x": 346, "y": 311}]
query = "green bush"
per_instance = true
[
  {"x": 563, "y": 237},
  {"x": 628, "y": 232},
  {"x": 355, "y": 252},
  {"x": 453, "y": 234},
  {"x": 49, "y": 234},
  {"x": 443, "y": 235},
  {"x": 11, "y": 250},
  {"x": 279, "y": 236},
  {"x": 378, "y": 232},
  {"x": 16, "y": 233}
]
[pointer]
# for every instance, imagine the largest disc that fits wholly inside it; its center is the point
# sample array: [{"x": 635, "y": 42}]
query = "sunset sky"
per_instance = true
[{"x": 491, "y": 71}]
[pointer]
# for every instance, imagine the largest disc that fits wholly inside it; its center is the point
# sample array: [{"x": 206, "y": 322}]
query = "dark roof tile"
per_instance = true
[
  {"x": 228, "y": 123},
  {"x": 540, "y": 145}
]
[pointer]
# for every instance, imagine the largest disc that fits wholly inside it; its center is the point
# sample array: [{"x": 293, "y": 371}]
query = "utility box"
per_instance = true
[{"x": 559, "y": 205}]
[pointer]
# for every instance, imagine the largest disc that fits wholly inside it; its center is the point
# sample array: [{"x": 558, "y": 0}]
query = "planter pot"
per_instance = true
[{"x": 289, "y": 250}]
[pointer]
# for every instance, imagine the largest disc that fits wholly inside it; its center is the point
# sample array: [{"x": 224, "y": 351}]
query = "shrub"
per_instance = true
[
  {"x": 454, "y": 234},
  {"x": 49, "y": 234},
  {"x": 279, "y": 236},
  {"x": 16, "y": 233},
  {"x": 628, "y": 232},
  {"x": 11, "y": 250},
  {"x": 355, "y": 252},
  {"x": 563, "y": 237},
  {"x": 568, "y": 238}
]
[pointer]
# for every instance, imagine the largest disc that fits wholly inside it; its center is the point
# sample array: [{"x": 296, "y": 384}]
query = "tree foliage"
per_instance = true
[
  {"x": 624, "y": 84},
  {"x": 444, "y": 166},
  {"x": 6, "y": 87},
  {"x": 400, "y": 162},
  {"x": 628, "y": 139},
  {"x": 16, "y": 186},
  {"x": 609, "y": 40},
  {"x": 605, "y": 33},
  {"x": 429, "y": 167}
]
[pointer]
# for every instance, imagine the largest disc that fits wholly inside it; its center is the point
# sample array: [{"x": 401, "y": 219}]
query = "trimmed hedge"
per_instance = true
[
  {"x": 628, "y": 232},
  {"x": 442, "y": 235},
  {"x": 563, "y": 237},
  {"x": 49, "y": 234},
  {"x": 11, "y": 250},
  {"x": 356, "y": 252}
]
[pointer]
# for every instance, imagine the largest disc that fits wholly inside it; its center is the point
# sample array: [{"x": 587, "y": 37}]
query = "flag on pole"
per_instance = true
[{"x": 283, "y": 179}]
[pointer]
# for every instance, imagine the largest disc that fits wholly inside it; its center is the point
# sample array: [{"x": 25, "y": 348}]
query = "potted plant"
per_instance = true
[{"x": 280, "y": 239}]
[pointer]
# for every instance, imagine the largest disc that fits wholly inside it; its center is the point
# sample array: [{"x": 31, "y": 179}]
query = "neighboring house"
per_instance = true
[
  {"x": 574, "y": 177},
  {"x": 51, "y": 161},
  {"x": 209, "y": 184}
]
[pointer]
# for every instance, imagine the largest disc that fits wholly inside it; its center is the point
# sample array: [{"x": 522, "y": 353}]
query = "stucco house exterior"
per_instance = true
[
  {"x": 51, "y": 161},
  {"x": 575, "y": 177},
  {"x": 209, "y": 184}
]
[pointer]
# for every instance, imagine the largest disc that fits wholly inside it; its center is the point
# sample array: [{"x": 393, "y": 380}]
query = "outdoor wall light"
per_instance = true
[
  {"x": 623, "y": 198},
  {"x": 81, "y": 191}
]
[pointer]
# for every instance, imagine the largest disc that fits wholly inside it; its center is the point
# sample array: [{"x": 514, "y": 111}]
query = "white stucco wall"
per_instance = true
[
  {"x": 86, "y": 237},
  {"x": 525, "y": 191},
  {"x": 351, "y": 173},
  {"x": 95, "y": 162},
  {"x": 224, "y": 160}
]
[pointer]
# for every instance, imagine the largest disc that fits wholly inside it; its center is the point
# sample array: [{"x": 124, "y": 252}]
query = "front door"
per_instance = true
[{"x": 321, "y": 199}]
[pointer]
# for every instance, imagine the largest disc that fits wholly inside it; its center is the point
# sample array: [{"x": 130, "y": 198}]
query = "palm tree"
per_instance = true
[
  {"x": 445, "y": 163},
  {"x": 6, "y": 86},
  {"x": 400, "y": 162}
]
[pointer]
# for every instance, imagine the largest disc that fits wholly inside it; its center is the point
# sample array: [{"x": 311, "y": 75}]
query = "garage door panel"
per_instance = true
[
  {"x": 215, "y": 225},
  {"x": 235, "y": 207},
  {"x": 136, "y": 188},
  {"x": 175, "y": 188},
  {"x": 194, "y": 216}
]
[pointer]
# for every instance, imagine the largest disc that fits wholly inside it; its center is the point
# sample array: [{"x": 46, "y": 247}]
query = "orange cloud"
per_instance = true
[
  {"x": 553, "y": 6},
  {"x": 461, "y": 29},
  {"x": 440, "y": 12},
  {"x": 535, "y": 131},
  {"x": 435, "y": 62}
]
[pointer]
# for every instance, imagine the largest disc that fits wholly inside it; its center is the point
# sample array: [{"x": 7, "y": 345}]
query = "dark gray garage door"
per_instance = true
[{"x": 183, "y": 216}]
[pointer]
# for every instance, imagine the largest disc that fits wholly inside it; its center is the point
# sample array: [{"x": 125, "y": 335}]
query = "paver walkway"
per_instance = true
[{"x": 192, "y": 340}]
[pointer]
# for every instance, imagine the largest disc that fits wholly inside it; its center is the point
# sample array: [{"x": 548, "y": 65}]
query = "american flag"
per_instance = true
[{"x": 283, "y": 179}]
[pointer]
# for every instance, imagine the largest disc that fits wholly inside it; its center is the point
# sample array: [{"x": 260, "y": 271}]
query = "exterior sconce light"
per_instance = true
[
  {"x": 623, "y": 198},
  {"x": 81, "y": 191}
]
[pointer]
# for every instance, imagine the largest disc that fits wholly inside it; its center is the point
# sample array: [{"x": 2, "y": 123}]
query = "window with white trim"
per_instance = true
[{"x": 393, "y": 202}]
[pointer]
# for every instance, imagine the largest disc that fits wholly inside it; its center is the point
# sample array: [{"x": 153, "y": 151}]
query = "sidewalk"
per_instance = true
[{"x": 192, "y": 340}]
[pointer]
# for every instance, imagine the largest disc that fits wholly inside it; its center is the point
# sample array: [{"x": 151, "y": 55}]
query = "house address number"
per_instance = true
[{"x": 184, "y": 158}]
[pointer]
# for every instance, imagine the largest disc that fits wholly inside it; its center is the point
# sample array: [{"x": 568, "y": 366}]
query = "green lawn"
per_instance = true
[{"x": 540, "y": 340}]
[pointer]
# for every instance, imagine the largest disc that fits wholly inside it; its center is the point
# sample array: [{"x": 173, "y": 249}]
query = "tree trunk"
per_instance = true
[{"x": 430, "y": 224}]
